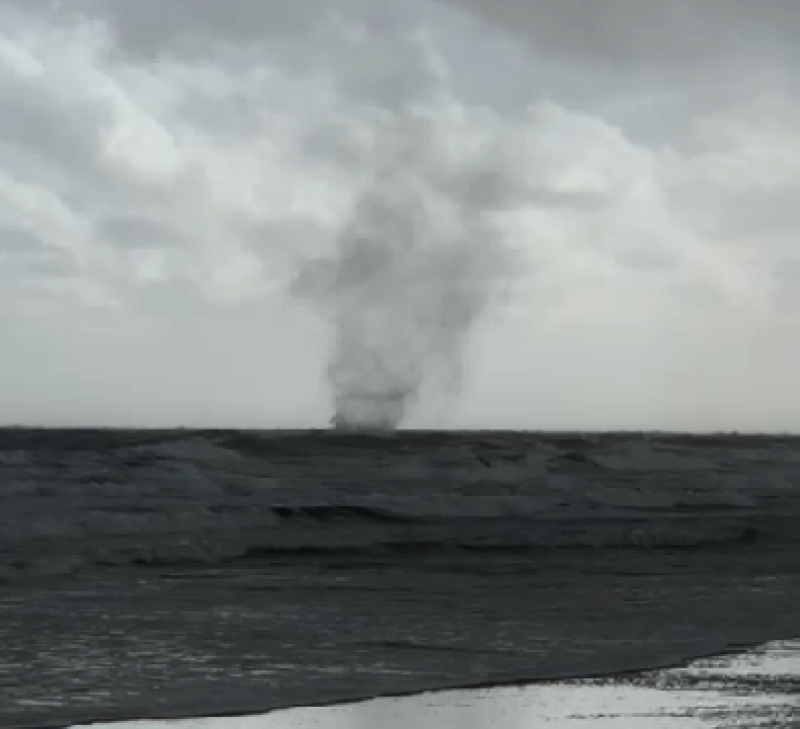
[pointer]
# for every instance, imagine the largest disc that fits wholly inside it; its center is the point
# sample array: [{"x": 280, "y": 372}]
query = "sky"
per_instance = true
[{"x": 168, "y": 171}]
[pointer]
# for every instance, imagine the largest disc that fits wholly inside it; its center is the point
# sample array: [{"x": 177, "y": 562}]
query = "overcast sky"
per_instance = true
[{"x": 168, "y": 166}]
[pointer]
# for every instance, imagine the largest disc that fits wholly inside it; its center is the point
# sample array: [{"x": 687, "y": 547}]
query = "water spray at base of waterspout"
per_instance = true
[
  {"x": 378, "y": 412},
  {"x": 368, "y": 395}
]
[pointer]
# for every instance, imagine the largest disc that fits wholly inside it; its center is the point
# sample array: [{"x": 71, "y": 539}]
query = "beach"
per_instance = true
[
  {"x": 759, "y": 688},
  {"x": 492, "y": 582}
]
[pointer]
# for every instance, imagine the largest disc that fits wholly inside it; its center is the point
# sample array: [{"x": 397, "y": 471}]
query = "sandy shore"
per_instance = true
[{"x": 759, "y": 688}]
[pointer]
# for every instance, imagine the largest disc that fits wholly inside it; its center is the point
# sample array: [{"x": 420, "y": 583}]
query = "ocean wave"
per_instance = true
[
  {"x": 360, "y": 532},
  {"x": 73, "y": 500}
]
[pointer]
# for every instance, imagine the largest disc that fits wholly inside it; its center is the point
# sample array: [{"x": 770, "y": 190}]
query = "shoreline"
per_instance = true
[
  {"x": 279, "y": 638},
  {"x": 667, "y": 663}
]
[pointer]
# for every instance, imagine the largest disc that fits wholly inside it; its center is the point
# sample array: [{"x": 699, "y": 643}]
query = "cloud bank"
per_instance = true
[{"x": 170, "y": 179}]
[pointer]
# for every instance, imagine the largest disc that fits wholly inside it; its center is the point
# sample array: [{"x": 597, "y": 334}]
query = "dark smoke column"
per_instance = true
[
  {"x": 379, "y": 356},
  {"x": 417, "y": 260},
  {"x": 412, "y": 272}
]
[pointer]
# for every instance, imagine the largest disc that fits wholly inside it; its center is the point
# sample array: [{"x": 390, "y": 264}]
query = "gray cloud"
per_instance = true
[
  {"x": 133, "y": 232},
  {"x": 643, "y": 35},
  {"x": 29, "y": 122},
  {"x": 25, "y": 258},
  {"x": 151, "y": 28},
  {"x": 167, "y": 170},
  {"x": 16, "y": 241}
]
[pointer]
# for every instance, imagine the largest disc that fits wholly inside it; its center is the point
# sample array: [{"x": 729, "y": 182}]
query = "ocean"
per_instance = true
[{"x": 148, "y": 574}]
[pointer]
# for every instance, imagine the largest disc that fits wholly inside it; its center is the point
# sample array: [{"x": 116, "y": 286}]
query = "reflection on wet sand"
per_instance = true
[{"x": 760, "y": 688}]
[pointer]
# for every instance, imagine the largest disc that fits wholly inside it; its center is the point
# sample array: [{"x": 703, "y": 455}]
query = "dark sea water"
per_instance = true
[{"x": 186, "y": 573}]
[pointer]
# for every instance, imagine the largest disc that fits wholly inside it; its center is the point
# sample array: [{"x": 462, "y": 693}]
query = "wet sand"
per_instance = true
[{"x": 758, "y": 689}]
